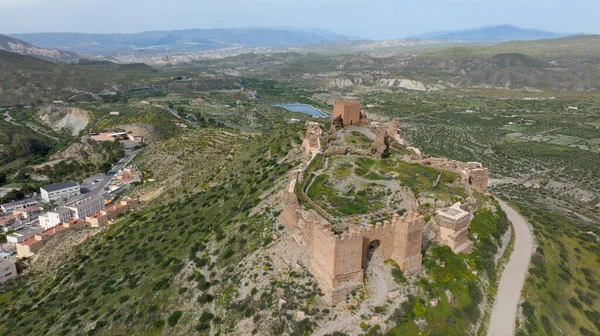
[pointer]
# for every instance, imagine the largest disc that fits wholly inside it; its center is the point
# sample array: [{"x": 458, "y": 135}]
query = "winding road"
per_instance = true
[{"x": 504, "y": 313}]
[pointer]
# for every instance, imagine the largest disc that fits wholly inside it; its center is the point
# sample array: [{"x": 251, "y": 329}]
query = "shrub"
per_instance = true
[{"x": 174, "y": 318}]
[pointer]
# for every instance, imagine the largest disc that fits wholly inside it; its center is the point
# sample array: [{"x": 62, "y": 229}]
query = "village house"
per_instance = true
[
  {"x": 135, "y": 137},
  {"x": 30, "y": 246},
  {"x": 103, "y": 217},
  {"x": 24, "y": 234},
  {"x": 128, "y": 175}
]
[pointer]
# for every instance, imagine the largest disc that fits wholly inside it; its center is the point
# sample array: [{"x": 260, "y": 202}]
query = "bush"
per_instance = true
[
  {"x": 174, "y": 318},
  {"x": 528, "y": 309},
  {"x": 204, "y": 321}
]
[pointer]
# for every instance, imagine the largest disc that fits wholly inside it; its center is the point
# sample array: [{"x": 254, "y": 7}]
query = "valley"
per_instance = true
[{"x": 249, "y": 166}]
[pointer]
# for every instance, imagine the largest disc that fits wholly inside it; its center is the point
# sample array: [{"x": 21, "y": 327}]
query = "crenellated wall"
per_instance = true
[{"x": 338, "y": 262}]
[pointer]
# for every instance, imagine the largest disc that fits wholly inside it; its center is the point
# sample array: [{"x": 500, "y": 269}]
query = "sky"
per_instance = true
[{"x": 373, "y": 19}]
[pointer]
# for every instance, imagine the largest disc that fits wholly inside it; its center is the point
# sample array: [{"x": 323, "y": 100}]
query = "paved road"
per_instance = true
[
  {"x": 104, "y": 179},
  {"x": 504, "y": 312}
]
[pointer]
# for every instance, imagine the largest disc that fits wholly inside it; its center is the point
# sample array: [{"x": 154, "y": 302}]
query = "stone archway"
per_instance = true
[{"x": 373, "y": 253}]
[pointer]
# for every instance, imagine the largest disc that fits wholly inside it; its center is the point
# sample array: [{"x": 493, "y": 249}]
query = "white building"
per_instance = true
[
  {"x": 52, "y": 218},
  {"x": 55, "y": 192},
  {"x": 84, "y": 207},
  {"x": 8, "y": 270}
]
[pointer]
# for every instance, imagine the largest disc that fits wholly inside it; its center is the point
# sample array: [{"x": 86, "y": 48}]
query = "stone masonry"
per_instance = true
[
  {"x": 476, "y": 175},
  {"x": 381, "y": 145},
  {"x": 338, "y": 261},
  {"x": 454, "y": 228},
  {"x": 347, "y": 112},
  {"x": 312, "y": 140}
]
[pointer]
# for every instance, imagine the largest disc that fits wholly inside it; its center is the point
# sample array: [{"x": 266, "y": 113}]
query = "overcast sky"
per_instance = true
[{"x": 374, "y": 19}]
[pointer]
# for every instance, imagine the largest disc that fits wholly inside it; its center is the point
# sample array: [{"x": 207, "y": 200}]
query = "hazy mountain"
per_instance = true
[
  {"x": 180, "y": 40},
  {"x": 12, "y": 44},
  {"x": 491, "y": 34}
]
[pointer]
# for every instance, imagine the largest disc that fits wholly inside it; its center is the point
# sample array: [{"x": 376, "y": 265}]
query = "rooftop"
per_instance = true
[
  {"x": 453, "y": 213},
  {"x": 27, "y": 202},
  {"x": 27, "y": 232},
  {"x": 60, "y": 186}
]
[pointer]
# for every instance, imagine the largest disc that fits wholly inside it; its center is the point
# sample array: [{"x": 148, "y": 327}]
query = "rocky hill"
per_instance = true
[
  {"x": 72, "y": 119},
  {"x": 15, "y": 45},
  {"x": 520, "y": 71}
]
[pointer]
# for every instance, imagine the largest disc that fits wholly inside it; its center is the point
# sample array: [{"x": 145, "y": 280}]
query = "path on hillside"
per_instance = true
[
  {"x": 380, "y": 282},
  {"x": 504, "y": 313}
]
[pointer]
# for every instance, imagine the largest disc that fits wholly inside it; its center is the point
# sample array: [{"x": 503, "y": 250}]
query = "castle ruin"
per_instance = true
[{"x": 338, "y": 260}]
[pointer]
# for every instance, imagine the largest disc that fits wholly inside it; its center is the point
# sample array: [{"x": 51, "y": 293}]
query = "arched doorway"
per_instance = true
[{"x": 373, "y": 253}]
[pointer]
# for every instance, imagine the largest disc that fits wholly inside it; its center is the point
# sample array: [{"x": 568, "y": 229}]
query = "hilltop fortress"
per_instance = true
[{"x": 338, "y": 257}]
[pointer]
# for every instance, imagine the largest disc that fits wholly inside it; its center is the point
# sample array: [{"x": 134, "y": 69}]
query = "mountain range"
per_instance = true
[
  {"x": 12, "y": 44},
  {"x": 180, "y": 40},
  {"x": 499, "y": 33}
]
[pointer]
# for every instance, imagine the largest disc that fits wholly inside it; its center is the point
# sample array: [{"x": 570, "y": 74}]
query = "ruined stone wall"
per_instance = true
[
  {"x": 476, "y": 176},
  {"x": 453, "y": 226},
  {"x": 408, "y": 242},
  {"x": 381, "y": 145},
  {"x": 341, "y": 150}
]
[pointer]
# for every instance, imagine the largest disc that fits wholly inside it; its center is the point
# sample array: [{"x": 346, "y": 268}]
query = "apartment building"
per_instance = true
[
  {"x": 84, "y": 207},
  {"x": 59, "y": 191},
  {"x": 8, "y": 270},
  {"x": 51, "y": 219}
]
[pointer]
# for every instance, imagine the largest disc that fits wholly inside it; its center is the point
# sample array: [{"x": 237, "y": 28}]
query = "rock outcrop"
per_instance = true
[
  {"x": 76, "y": 151},
  {"x": 73, "y": 119},
  {"x": 381, "y": 145}
]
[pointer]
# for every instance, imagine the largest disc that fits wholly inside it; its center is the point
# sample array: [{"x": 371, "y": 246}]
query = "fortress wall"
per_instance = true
[
  {"x": 408, "y": 242},
  {"x": 323, "y": 254},
  {"x": 382, "y": 232},
  {"x": 348, "y": 257}
]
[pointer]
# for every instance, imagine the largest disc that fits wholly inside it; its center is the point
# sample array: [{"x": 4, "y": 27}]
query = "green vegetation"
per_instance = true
[
  {"x": 561, "y": 291},
  {"x": 451, "y": 279},
  {"x": 358, "y": 200},
  {"x": 149, "y": 255}
]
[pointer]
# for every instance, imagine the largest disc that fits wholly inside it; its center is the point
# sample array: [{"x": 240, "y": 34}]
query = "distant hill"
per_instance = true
[
  {"x": 570, "y": 47},
  {"x": 27, "y": 79},
  {"x": 491, "y": 34},
  {"x": 180, "y": 40},
  {"x": 516, "y": 71},
  {"x": 12, "y": 44}
]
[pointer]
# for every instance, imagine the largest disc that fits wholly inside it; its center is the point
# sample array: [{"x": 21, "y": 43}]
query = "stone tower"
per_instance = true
[{"x": 347, "y": 112}]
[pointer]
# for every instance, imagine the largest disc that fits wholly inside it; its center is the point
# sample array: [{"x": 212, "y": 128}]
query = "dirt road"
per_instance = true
[{"x": 504, "y": 312}]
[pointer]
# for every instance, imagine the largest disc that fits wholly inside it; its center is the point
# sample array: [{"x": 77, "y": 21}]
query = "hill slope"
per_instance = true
[
  {"x": 180, "y": 40},
  {"x": 26, "y": 79},
  {"x": 12, "y": 44}
]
